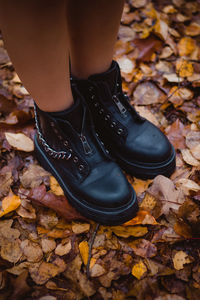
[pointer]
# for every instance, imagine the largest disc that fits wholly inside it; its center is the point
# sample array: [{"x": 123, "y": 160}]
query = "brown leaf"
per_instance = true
[
  {"x": 33, "y": 176},
  {"x": 11, "y": 251},
  {"x": 143, "y": 248},
  {"x": 5, "y": 182},
  {"x": 6, "y": 105},
  {"x": 20, "y": 141},
  {"x": 32, "y": 251},
  {"x": 175, "y": 134},
  {"x": 57, "y": 203},
  {"x": 147, "y": 47},
  {"x": 147, "y": 93}
]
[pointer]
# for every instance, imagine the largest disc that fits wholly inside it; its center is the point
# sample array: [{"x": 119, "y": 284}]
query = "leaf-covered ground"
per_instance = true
[{"x": 157, "y": 254}]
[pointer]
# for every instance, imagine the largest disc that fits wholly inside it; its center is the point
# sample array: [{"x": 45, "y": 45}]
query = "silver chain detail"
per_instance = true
[{"x": 48, "y": 149}]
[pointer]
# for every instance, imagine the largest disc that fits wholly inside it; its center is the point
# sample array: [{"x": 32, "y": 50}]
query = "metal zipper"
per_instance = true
[
  {"x": 121, "y": 108},
  {"x": 86, "y": 146}
]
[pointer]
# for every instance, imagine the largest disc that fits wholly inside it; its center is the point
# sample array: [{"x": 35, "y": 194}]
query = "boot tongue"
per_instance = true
[{"x": 109, "y": 77}]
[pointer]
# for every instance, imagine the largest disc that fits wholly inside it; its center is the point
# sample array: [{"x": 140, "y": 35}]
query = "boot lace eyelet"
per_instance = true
[
  {"x": 91, "y": 89},
  {"x": 107, "y": 117},
  {"x": 113, "y": 124},
  {"x": 93, "y": 97},
  {"x": 75, "y": 160},
  {"x": 66, "y": 143},
  {"x": 96, "y": 104},
  {"x": 119, "y": 131},
  {"x": 101, "y": 111},
  {"x": 81, "y": 167},
  {"x": 70, "y": 150}
]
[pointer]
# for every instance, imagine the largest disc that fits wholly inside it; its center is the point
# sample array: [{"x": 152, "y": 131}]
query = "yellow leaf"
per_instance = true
[
  {"x": 186, "y": 46},
  {"x": 9, "y": 203},
  {"x": 143, "y": 217},
  {"x": 149, "y": 202},
  {"x": 180, "y": 258},
  {"x": 184, "y": 68},
  {"x": 55, "y": 187},
  {"x": 139, "y": 270},
  {"x": 125, "y": 232},
  {"x": 84, "y": 251}
]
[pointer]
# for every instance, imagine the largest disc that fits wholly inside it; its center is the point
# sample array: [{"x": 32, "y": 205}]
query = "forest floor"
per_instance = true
[{"x": 47, "y": 250}]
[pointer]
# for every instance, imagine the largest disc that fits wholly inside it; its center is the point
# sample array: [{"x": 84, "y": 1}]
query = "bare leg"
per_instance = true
[
  {"x": 35, "y": 34},
  {"x": 93, "y": 27}
]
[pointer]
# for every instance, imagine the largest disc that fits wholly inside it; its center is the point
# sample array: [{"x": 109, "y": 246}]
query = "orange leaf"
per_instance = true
[{"x": 142, "y": 217}]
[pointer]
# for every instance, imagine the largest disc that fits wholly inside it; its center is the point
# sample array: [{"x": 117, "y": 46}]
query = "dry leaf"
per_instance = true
[
  {"x": 196, "y": 151},
  {"x": 48, "y": 245},
  {"x": 126, "y": 231},
  {"x": 180, "y": 259},
  {"x": 193, "y": 29},
  {"x": 11, "y": 251},
  {"x": 55, "y": 187},
  {"x": 143, "y": 217},
  {"x": 192, "y": 139},
  {"x": 147, "y": 114},
  {"x": 9, "y": 203},
  {"x": 147, "y": 93},
  {"x": 184, "y": 68},
  {"x": 26, "y": 210},
  {"x": 32, "y": 251},
  {"x": 97, "y": 270},
  {"x": 33, "y": 176},
  {"x": 139, "y": 270},
  {"x": 186, "y": 46},
  {"x": 63, "y": 249},
  {"x": 189, "y": 159},
  {"x": 19, "y": 141},
  {"x": 84, "y": 251},
  {"x": 143, "y": 248},
  {"x": 6, "y": 181},
  {"x": 79, "y": 228}
]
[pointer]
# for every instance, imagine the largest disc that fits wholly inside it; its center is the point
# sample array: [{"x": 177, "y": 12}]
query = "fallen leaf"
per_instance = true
[
  {"x": 174, "y": 133},
  {"x": 139, "y": 270},
  {"x": 84, "y": 251},
  {"x": 32, "y": 251},
  {"x": 20, "y": 141},
  {"x": 193, "y": 29},
  {"x": 180, "y": 259},
  {"x": 147, "y": 114},
  {"x": 9, "y": 203},
  {"x": 10, "y": 250},
  {"x": 192, "y": 139},
  {"x": 186, "y": 46},
  {"x": 143, "y": 248},
  {"x": 79, "y": 228},
  {"x": 6, "y": 181},
  {"x": 173, "y": 77},
  {"x": 189, "y": 159},
  {"x": 58, "y": 203},
  {"x": 48, "y": 245},
  {"x": 147, "y": 93},
  {"x": 33, "y": 176},
  {"x": 63, "y": 249},
  {"x": 143, "y": 217},
  {"x": 126, "y": 231},
  {"x": 26, "y": 210},
  {"x": 97, "y": 270},
  {"x": 41, "y": 273},
  {"x": 146, "y": 47},
  {"x": 184, "y": 68},
  {"x": 55, "y": 187},
  {"x": 126, "y": 65},
  {"x": 187, "y": 185}
]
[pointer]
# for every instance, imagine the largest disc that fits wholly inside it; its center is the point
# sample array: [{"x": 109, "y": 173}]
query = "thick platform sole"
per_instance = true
[
  {"x": 107, "y": 216},
  {"x": 148, "y": 171}
]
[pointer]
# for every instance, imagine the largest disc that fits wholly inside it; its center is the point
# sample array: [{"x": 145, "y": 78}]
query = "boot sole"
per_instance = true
[
  {"x": 109, "y": 216},
  {"x": 147, "y": 170}
]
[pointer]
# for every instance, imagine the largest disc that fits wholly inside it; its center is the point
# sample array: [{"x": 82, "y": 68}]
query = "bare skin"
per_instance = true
[
  {"x": 93, "y": 27},
  {"x": 40, "y": 36}
]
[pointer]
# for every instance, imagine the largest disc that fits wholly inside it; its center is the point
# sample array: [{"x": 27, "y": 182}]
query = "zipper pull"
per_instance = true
[
  {"x": 121, "y": 108},
  {"x": 86, "y": 146}
]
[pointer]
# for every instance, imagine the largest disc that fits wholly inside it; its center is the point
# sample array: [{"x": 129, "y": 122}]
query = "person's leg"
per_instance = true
[
  {"x": 35, "y": 35},
  {"x": 93, "y": 27}
]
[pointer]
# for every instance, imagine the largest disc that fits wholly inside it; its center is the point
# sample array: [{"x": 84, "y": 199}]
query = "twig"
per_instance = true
[{"x": 91, "y": 242}]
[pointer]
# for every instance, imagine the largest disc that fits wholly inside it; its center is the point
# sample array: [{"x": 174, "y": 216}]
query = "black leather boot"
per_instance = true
[
  {"x": 140, "y": 148},
  {"x": 92, "y": 182}
]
